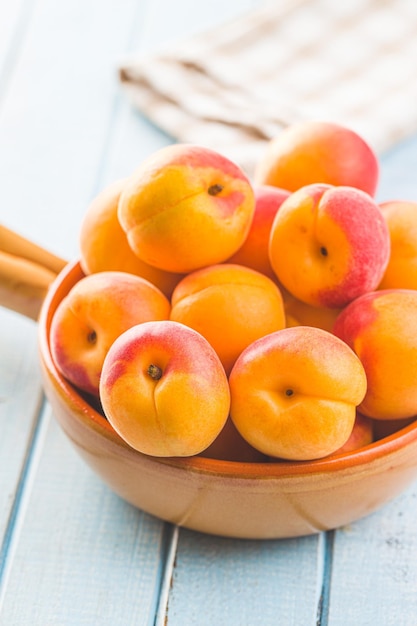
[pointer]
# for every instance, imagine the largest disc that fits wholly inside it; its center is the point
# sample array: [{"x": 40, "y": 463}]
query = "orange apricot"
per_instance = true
[
  {"x": 294, "y": 393},
  {"x": 229, "y": 445},
  {"x": 186, "y": 207},
  {"x": 401, "y": 218},
  {"x": 96, "y": 310},
  {"x": 361, "y": 435},
  {"x": 230, "y": 305},
  {"x": 254, "y": 251},
  {"x": 104, "y": 246},
  {"x": 329, "y": 244},
  {"x": 164, "y": 390},
  {"x": 381, "y": 327},
  {"x": 318, "y": 152},
  {"x": 299, "y": 313}
]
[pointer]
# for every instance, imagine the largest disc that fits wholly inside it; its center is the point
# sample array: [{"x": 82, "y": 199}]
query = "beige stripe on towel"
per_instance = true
[{"x": 235, "y": 87}]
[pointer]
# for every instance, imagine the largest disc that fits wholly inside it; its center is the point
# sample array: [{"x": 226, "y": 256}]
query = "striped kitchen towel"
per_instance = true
[{"x": 238, "y": 85}]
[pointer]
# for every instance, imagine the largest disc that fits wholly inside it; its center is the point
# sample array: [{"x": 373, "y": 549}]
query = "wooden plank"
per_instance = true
[
  {"x": 224, "y": 581},
  {"x": 55, "y": 117},
  {"x": 20, "y": 391},
  {"x": 20, "y": 394},
  {"x": 81, "y": 556},
  {"x": 20, "y": 399},
  {"x": 374, "y": 574}
]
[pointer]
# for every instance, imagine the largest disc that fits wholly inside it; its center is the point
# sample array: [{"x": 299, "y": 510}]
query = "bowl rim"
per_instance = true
[{"x": 86, "y": 412}]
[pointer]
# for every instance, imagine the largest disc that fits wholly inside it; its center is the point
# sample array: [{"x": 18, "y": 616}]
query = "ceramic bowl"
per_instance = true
[{"x": 227, "y": 498}]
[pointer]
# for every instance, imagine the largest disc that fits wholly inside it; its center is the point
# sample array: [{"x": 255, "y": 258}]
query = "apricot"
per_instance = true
[
  {"x": 254, "y": 251},
  {"x": 229, "y": 445},
  {"x": 186, "y": 207},
  {"x": 318, "y": 152},
  {"x": 298, "y": 313},
  {"x": 361, "y": 435},
  {"x": 104, "y": 246},
  {"x": 401, "y": 272},
  {"x": 381, "y": 328},
  {"x": 329, "y": 245},
  {"x": 164, "y": 390},
  {"x": 294, "y": 393},
  {"x": 230, "y": 305},
  {"x": 92, "y": 315}
]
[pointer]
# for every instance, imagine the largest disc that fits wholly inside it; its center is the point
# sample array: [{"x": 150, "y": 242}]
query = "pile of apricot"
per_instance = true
[{"x": 273, "y": 318}]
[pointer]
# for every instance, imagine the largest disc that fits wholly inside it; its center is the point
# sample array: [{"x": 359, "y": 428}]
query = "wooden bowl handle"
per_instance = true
[{"x": 26, "y": 271}]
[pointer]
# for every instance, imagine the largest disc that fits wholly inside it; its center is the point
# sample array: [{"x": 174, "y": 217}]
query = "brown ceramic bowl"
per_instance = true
[{"x": 247, "y": 500}]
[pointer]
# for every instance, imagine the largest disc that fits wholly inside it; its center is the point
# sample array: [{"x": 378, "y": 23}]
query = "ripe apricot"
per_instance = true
[
  {"x": 229, "y": 445},
  {"x": 104, "y": 246},
  {"x": 96, "y": 310},
  {"x": 254, "y": 251},
  {"x": 294, "y": 393},
  {"x": 328, "y": 244},
  {"x": 318, "y": 152},
  {"x": 381, "y": 327},
  {"x": 401, "y": 272},
  {"x": 362, "y": 434},
  {"x": 230, "y": 305},
  {"x": 164, "y": 390},
  {"x": 299, "y": 313},
  {"x": 186, "y": 207}
]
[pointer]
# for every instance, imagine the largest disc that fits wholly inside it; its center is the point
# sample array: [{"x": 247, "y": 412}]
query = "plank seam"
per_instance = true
[
  {"x": 22, "y": 495},
  {"x": 323, "y": 604},
  {"x": 168, "y": 561}
]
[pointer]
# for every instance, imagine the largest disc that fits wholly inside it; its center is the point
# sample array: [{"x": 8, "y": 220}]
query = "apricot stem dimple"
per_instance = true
[
  {"x": 214, "y": 190},
  {"x": 323, "y": 251},
  {"x": 92, "y": 337},
  {"x": 154, "y": 371},
  {"x": 289, "y": 392}
]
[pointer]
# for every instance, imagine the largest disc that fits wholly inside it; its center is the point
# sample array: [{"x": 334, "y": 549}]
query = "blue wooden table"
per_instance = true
[{"x": 71, "y": 552}]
